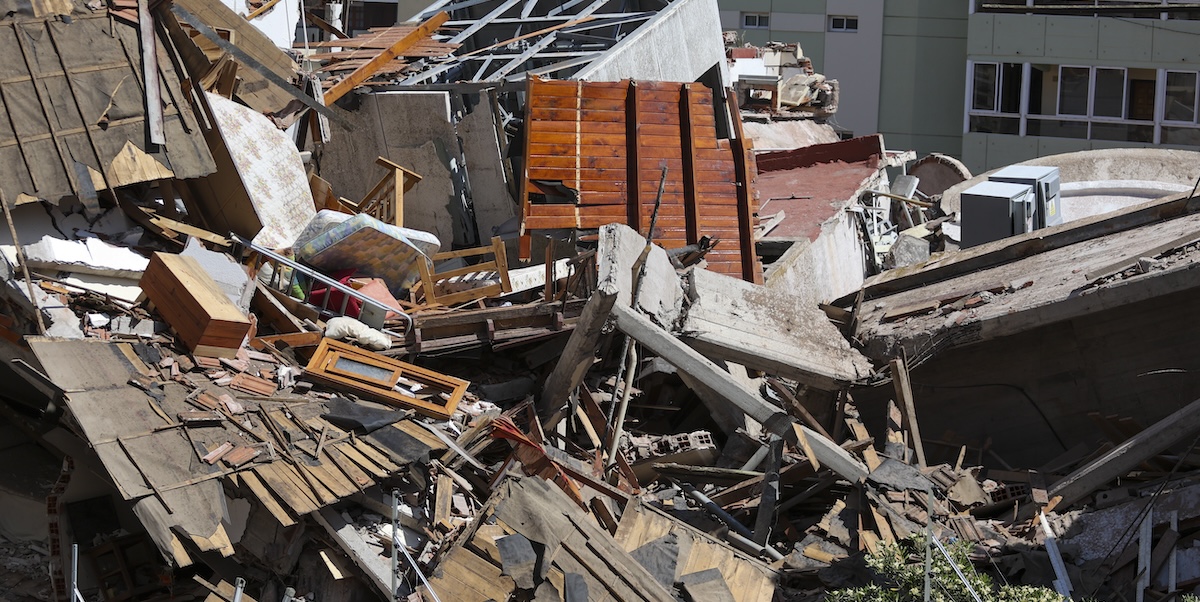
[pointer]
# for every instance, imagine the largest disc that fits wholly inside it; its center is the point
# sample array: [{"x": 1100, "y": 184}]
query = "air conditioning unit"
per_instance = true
[
  {"x": 1045, "y": 182},
  {"x": 995, "y": 210}
]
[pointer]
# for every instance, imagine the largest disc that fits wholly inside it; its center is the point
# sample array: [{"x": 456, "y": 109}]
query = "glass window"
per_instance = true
[
  {"x": 1181, "y": 96},
  {"x": 984, "y": 96},
  {"x": 995, "y": 125},
  {"x": 348, "y": 366},
  {"x": 1189, "y": 136},
  {"x": 1057, "y": 128},
  {"x": 1010, "y": 87},
  {"x": 1122, "y": 132},
  {"x": 843, "y": 23},
  {"x": 1073, "y": 90},
  {"x": 1108, "y": 95},
  {"x": 755, "y": 21}
]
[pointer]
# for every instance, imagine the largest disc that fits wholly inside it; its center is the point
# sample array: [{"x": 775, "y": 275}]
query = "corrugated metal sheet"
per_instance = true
[{"x": 594, "y": 155}]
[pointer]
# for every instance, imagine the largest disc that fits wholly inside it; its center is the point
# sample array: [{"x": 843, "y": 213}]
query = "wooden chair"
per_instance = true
[
  {"x": 385, "y": 202},
  {"x": 433, "y": 282}
]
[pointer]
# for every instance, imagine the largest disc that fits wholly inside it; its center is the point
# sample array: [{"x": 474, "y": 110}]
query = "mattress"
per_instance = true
[{"x": 335, "y": 241}]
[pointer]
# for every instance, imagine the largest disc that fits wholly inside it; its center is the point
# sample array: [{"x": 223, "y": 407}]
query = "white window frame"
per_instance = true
[
  {"x": 1090, "y": 118},
  {"x": 758, "y": 18},
  {"x": 845, "y": 28},
  {"x": 1195, "y": 98}
]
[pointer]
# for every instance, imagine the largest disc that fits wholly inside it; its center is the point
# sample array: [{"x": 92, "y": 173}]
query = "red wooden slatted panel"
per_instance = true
[{"x": 580, "y": 134}]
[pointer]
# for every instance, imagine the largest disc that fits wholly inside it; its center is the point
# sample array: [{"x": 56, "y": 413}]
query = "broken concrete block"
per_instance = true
[
  {"x": 89, "y": 256},
  {"x": 708, "y": 586},
  {"x": 129, "y": 325},
  {"x": 909, "y": 250}
]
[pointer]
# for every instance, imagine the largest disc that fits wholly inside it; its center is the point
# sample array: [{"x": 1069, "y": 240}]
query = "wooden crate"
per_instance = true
[{"x": 188, "y": 299}]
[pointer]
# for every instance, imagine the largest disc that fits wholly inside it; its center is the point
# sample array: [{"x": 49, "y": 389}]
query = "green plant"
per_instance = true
[{"x": 899, "y": 570}]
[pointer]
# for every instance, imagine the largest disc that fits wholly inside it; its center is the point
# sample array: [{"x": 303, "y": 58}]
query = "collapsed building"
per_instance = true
[{"x": 527, "y": 300}]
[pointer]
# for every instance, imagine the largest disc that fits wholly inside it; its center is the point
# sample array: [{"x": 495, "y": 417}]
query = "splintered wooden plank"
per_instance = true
[
  {"x": 348, "y": 467},
  {"x": 462, "y": 575},
  {"x": 307, "y": 474},
  {"x": 293, "y": 476},
  {"x": 299, "y": 500},
  {"x": 376, "y": 456},
  {"x": 361, "y": 460},
  {"x": 256, "y": 486},
  {"x": 365, "y": 72}
]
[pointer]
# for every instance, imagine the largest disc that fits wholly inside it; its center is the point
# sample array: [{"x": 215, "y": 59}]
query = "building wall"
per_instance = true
[
  {"x": 1145, "y": 48},
  {"x": 654, "y": 51},
  {"x": 900, "y": 73},
  {"x": 855, "y": 60},
  {"x": 923, "y": 67}
]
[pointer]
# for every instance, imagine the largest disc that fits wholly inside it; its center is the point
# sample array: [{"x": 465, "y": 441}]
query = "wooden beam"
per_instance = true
[
  {"x": 743, "y": 163},
  {"x": 765, "y": 518},
  {"x": 790, "y": 401},
  {"x": 249, "y": 62},
  {"x": 154, "y": 110},
  {"x": 905, "y": 397},
  {"x": 365, "y": 72},
  {"x": 633, "y": 200},
  {"x": 1128, "y": 455},
  {"x": 580, "y": 350},
  {"x": 325, "y": 25},
  {"x": 268, "y": 5},
  {"x": 686, "y": 359},
  {"x": 691, "y": 204}
]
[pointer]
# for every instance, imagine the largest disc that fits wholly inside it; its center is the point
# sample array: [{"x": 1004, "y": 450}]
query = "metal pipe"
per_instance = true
[
  {"x": 239, "y": 586},
  {"x": 615, "y": 443},
  {"x": 759, "y": 455},
  {"x": 957, "y": 571},
  {"x": 395, "y": 527},
  {"x": 75, "y": 595},
  {"x": 403, "y": 548},
  {"x": 716, "y": 510},
  {"x": 751, "y": 547},
  {"x": 928, "y": 543}
]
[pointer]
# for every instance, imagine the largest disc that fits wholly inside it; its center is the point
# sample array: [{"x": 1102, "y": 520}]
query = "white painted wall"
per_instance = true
[
  {"x": 279, "y": 23},
  {"x": 855, "y": 60},
  {"x": 679, "y": 44}
]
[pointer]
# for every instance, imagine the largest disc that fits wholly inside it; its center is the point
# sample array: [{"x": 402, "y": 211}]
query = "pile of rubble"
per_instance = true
[{"x": 225, "y": 380}]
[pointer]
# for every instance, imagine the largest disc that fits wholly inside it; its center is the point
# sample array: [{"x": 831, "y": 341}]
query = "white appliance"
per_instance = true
[
  {"x": 995, "y": 210},
  {"x": 1045, "y": 183}
]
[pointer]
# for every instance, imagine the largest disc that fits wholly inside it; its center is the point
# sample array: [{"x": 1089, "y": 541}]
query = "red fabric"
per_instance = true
[{"x": 317, "y": 296}]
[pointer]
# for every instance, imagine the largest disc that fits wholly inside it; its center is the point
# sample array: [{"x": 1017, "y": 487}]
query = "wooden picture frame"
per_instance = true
[{"x": 384, "y": 379}]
